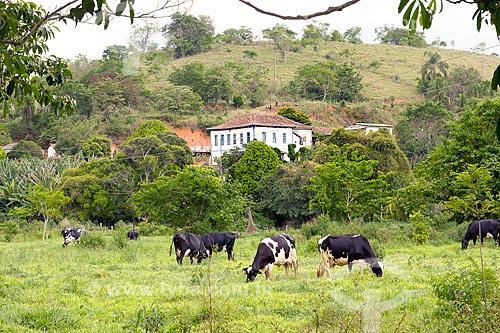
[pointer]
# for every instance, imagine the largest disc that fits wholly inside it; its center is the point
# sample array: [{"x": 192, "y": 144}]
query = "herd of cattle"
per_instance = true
[{"x": 280, "y": 250}]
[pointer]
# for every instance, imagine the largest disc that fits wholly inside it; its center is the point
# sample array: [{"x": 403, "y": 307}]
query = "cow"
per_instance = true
[
  {"x": 132, "y": 235},
  {"x": 72, "y": 235},
  {"x": 187, "y": 244},
  {"x": 344, "y": 250},
  {"x": 276, "y": 250},
  {"x": 220, "y": 241},
  {"x": 489, "y": 228}
]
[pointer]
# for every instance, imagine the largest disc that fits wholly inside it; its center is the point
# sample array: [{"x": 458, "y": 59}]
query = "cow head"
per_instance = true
[
  {"x": 465, "y": 244},
  {"x": 378, "y": 268},
  {"x": 81, "y": 231},
  {"x": 251, "y": 273},
  {"x": 204, "y": 254}
]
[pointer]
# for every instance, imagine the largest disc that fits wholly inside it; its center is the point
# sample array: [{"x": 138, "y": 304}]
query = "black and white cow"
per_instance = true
[
  {"x": 344, "y": 250},
  {"x": 187, "y": 244},
  {"x": 71, "y": 235},
  {"x": 132, "y": 235},
  {"x": 220, "y": 241},
  {"x": 489, "y": 228},
  {"x": 276, "y": 250}
]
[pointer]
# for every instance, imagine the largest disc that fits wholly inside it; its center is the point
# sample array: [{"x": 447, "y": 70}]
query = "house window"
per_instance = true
[
  {"x": 301, "y": 140},
  {"x": 222, "y": 140},
  {"x": 248, "y": 137},
  {"x": 216, "y": 140},
  {"x": 284, "y": 137},
  {"x": 274, "y": 137},
  {"x": 263, "y": 136},
  {"x": 241, "y": 138},
  {"x": 228, "y": 139},
  {"x": 234, "y": 138}
]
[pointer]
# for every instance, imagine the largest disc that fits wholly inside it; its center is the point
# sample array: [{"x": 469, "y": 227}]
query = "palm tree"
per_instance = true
[{"x": 434, "y": 67}]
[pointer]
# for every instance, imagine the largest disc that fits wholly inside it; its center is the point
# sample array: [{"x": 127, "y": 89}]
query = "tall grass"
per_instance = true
[{"x": 139, "y": 288}]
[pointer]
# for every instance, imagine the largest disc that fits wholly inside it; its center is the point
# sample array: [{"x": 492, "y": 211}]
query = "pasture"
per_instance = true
[{"x": 134, "y": 286}]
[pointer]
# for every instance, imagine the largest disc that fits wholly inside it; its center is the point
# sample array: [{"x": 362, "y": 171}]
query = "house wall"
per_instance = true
[{"x": 219, "y": 147}]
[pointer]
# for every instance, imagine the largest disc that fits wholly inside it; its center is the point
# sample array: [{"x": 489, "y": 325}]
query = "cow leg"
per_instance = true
[
  {"x": 230, "y": 253},
  {"x": 267, "y": 271},
  {"x": 349, "y": 266},
  {"x": 296, "y": 267},
  {"x": 286, "y": 269}
]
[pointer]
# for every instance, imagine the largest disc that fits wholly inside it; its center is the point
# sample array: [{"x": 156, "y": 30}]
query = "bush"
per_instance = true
[
  {"x": 420, "y": 226},
  {"x": 152, "y": 229},
  {"x": 8, "y": 230},
  {"x": 92, "y": 241},
  {"x": 321, "y": 226}
]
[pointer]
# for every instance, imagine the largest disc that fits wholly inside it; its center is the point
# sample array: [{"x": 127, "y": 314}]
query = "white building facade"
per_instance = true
[{"x": 275, "y": 131}]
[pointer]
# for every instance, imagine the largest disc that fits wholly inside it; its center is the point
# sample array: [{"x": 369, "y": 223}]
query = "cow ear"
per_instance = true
[{"x": 244, "y": 269}]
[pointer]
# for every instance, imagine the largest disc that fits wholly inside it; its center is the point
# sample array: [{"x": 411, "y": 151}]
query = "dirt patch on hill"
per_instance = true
[{"x": 193, "y": 137}]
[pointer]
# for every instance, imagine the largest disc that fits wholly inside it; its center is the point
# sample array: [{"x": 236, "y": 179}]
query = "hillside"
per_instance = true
[{"x": 399, "y": 66}]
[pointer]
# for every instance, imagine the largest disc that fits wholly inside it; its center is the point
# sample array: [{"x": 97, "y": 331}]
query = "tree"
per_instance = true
[
  {"x": 188, "y": 35},
  {"x": 421, "y": 128},
  {"x": 283, "y": 196},
  {"x": 241, "y": 36},
  {"x": 351, "y": 35},
  {"x": 26, "y": 149},
  {"x": 343, "y": 188},
  {"x": 282, "y": 37},
  {"x": 177, "y": 99},
  {"x": 296, "y": 115},
  {"x": 400, "y": 36},
  {"x": 258, "y": 161},
  {"x": 45, "y": 203},
  {"x": 313, "y": 34},
  {"x": 472, "y": 140},
  {"x": 142, "y": 36},
  {"x": 434, "y": 67},
  {"x": 195, "y": 199},
  {"x": 473, "y": 197},
  {"x": 97, "y": 147}
]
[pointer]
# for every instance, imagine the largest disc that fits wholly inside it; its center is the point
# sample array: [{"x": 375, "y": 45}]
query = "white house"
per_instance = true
[
  {"x": 368, "y": 128},
  {"x": 276, "y": 131}
]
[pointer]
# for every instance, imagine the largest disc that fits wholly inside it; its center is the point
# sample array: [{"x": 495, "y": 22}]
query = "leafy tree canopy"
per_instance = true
[
  {"x": 296, "y": 115},
  {"x": 400, "y": 36}
]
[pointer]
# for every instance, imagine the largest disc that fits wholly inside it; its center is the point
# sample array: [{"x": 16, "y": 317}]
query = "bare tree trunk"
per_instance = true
[
  {"x": 46, "y": 221},
  {"x": 251, "y": 228}
]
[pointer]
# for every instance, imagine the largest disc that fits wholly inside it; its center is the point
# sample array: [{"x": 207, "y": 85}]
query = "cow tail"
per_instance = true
[{"x": 170, "y": 251}]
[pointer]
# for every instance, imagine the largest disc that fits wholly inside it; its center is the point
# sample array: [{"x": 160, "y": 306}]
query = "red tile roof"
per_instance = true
[{"x": 260, "y": 120}]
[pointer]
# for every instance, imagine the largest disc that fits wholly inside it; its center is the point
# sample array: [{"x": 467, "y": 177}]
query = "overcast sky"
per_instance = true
[{"x": 453, "y": 24}]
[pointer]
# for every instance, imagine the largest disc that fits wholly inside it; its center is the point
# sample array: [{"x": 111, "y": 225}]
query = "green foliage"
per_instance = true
[
  {"x": 149, "y": 127},
  {"x": 296, "y": 115},
  {"x": 241, "y": 36},
  {"x": 329, "y": 81},
  {"x": 318, "y": 227},
  {"x": 283, "y": 196},
  {"x": 238, "y": 101},
  {"x": 347, "y": 188},
  {"x": 27, "y": 72},
  {"x": 195, "y": 198},
  {"x": 152, "y": 229},
  {"x": 179, "y": 100},
  {"x": 472, "y": 197},
  {"x": 26, "y": 149},
  {"x": 461, "y": 298},
  {"x": 420, "y": 228},
  {"x": 8, "y": 230},
  {"x": 421, "y": 128},
  {"x": 258, "y": 161},
  {"x": 188, "y": 35},
  {"x": 472, "y": 141},
  {"x": 97, "y": 147},
  {"x": 92, "y": 240},
  {"x": 400, "y": 36}
]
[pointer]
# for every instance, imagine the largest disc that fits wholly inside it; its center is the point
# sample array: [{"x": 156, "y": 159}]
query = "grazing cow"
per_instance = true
[
  {"x": 132, "y": 235},
  {"x": 187, "y": 244},
  {"x": 277, "y": 250},
  {"x": 345, "y": 249},
  {"x": 71, "y": 235},
  {"x": 489, "y": 228},
  {"x": 220, "y": 241}
]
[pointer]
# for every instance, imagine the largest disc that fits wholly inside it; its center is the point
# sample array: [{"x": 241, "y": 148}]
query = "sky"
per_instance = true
[{"x": 454, "y": 25}]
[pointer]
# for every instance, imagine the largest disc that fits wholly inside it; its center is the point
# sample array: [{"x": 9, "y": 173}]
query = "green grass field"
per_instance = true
[{"x": 138, "y": 287}]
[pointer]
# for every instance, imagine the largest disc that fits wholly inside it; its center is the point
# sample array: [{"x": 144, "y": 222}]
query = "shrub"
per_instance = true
[
  {"x": 420, "y": 226},
  {"x": 152, "y": 229},
  {"x": 8, "y": 229},
  {"x": 321, "y": 226},
  {"x": 92, "y": 241}
]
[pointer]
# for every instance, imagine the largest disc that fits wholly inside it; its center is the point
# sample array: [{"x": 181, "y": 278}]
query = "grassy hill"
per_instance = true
[
  {"x": 401, "y": 62},
  {"x": 389, "y": 76}
]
